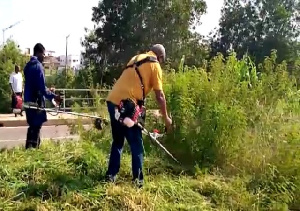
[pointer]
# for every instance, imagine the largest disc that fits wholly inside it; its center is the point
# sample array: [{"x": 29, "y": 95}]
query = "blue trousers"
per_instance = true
[{"x": 134, "y": 137}]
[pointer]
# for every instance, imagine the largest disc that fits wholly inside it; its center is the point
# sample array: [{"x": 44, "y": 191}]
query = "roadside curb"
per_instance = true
[
  {"x": 11, "y": 144},
  {"x": 50, "y": 122}
]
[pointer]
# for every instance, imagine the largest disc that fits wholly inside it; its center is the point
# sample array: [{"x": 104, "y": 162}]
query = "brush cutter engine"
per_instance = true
[
  {"x": 19, "y": 105},
  {"x": 129, "y": 113}
]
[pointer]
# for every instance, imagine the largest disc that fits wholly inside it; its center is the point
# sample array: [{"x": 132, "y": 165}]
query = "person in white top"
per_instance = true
[{"x": 16, "y": 85}]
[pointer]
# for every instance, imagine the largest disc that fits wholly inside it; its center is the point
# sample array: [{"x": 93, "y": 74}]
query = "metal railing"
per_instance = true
[
  {"x": 89, "y": 96},
  {"x": 88, "y": 93}
]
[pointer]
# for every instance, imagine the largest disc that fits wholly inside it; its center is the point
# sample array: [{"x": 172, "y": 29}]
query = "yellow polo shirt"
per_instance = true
[{"x": 129, "y": 85}]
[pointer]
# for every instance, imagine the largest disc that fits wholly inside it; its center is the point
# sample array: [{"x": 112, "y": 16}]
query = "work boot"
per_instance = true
[
  {"x": 31, "y": 144},
  {"x": 33, "y": 139}
]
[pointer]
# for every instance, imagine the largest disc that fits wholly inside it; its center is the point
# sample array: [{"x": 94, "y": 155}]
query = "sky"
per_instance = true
[{"x": 50, "y": 21}]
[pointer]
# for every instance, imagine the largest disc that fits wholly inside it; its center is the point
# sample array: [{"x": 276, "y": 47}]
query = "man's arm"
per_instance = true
[
  {"x": 42, "y": 87},
  {"x": 10, "y": 83},
  {"x": 22, "y": 83},
  {"x": 158, "y": 89},
  {"x": 161, "y": 100}
]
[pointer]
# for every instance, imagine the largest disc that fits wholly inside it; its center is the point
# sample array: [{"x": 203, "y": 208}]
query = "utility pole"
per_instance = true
[
  {"x": 66, "y": 54},
  {"x": 3, "y": 30}
]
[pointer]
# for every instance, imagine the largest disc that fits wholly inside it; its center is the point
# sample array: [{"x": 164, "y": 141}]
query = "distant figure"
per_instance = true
[
  {"x": 16, "y": 85},
  {"x": 35, "y": 91}
]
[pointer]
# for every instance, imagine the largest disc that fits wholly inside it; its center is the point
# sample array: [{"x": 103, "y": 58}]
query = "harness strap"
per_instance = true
[{"x": 136, "y": 64}]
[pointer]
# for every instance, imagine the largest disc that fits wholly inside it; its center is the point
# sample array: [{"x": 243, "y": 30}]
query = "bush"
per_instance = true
[{"x": 239, "y": 120}]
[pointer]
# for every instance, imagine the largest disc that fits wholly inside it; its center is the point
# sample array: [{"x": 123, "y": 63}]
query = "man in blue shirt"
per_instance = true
[{"x": 35, "y": 91}]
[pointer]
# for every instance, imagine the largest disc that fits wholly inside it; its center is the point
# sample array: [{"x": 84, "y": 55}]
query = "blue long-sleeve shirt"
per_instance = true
[{"x": 35, "y": 91}]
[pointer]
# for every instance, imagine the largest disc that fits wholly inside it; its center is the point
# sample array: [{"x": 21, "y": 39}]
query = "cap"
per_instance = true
[{"x": 159, "y": 50}]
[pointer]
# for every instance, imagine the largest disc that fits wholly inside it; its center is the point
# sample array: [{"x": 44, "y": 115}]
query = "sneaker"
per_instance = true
[
  {"x": 138, "y": 183},
  {"x": 110, "y": 178}
]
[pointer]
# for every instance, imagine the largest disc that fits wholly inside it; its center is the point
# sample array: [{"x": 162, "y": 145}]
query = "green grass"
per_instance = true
[{"x": 70, "y": 176}]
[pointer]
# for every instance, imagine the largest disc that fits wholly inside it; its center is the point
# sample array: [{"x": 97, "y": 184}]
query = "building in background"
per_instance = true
[
  {"x": 73, "y": 62},
  {"x": 27, "y": 54},
  {"x": 27, "y": 51},
  {"x": 56, "y": 64},
  {"x": 50, "y": 63}
]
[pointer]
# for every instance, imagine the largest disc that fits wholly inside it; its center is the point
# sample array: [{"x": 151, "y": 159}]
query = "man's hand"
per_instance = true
[
  {"x": 160, "y": 98},
  {"x": 52, "y": 89},
  {"x": 168, "y": 123},
  {"x": 58, "y": 100}
]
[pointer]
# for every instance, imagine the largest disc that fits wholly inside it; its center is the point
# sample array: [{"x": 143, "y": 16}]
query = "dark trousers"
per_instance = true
[
  {"x": 134, "y": 137},
  {"x": 33, "y": 139}
]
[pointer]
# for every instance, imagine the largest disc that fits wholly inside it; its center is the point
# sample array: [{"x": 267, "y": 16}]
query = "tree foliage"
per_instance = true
[
  {"x": 258, "y": 26},
  {"x": 125, "y": 28}
]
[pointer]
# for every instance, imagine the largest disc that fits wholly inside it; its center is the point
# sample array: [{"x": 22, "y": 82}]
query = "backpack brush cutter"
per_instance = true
[{"x": 98, "y": 124}]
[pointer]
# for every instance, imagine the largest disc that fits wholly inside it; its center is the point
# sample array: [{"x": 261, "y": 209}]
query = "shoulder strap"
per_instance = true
[
  {"x": 136, "y": 64},
  {"x": 145, "y": 60}
]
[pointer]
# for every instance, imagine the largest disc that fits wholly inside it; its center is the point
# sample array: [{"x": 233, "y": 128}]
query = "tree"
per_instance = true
[
  {"x": 258, "y": 26},
  {"x": 125, "y": 28}
]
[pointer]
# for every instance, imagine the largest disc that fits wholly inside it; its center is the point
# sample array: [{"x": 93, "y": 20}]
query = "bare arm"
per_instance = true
[
  {"x": 161, "y": 100},
  {"x": 10, "y": 84},
  {"x": 11, "y": 87},
  {"x": 159, "y": 93}
]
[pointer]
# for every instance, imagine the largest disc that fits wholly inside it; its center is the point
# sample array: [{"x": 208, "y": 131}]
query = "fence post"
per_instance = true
[
  {"x": 65, "y": 99},
  {"x": 64, "y": 93}
]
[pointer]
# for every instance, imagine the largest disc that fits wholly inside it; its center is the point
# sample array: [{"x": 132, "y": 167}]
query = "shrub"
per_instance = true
[{"x": 240, "y": 120}]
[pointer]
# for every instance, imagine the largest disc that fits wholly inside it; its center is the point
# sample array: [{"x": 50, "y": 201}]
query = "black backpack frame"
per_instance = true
[{"x": 136, "y": 64}]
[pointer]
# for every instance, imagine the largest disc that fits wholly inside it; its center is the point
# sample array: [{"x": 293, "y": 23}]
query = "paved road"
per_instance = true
[{"x": 15, "y": 136}]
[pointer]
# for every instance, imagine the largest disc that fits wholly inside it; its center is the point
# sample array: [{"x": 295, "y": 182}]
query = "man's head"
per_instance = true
[
  {"x": 17, "y": 68},
  {"x": 39, "y": 52},
  {"x": 160, "y": 52}
]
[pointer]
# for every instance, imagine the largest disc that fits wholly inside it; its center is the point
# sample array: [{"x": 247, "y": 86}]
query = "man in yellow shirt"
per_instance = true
[{"x": 142, "y": 74}]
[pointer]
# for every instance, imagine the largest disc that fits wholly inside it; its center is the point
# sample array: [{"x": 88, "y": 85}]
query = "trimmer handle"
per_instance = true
[{"x": 61, "y": 93}]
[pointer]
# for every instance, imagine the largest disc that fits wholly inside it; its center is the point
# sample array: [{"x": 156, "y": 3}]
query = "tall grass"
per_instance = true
[{"x": 240, "y": 120}]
